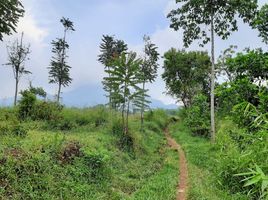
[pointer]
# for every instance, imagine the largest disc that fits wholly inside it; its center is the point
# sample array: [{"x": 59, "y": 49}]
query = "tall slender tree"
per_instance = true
[
  {"x": 59, "y": 71},
  {"x": 17, "y": 56},
  {"x": 10, "y": 12},
  {"x": 219, "y": 16},
  {"x": 148, "y": 70},
  {"x": 110, "y": 49}
]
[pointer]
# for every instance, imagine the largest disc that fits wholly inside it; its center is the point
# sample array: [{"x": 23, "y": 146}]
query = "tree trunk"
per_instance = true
[
  {"x": 58, "y": 95},
  {"x": 142, "y": 108},
  {"x": 16, "y": 90},
  {"x": 126, "y": 130},
  {"x": 212, "y": 105}
]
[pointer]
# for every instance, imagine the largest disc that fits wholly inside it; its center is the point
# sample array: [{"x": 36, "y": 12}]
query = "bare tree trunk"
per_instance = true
[
  {"x": 212, "y": 105},
  {"x": 58, "y": 95},
  {"x": 142, "y": 108},
  {"x": 126, "y": 130},
  {"x": 16, "y": 91}
]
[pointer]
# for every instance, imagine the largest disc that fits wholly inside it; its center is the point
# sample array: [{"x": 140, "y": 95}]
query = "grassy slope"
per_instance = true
[
  {"x": 202, "y": 158},
  {"x": 31, "y": 167}
]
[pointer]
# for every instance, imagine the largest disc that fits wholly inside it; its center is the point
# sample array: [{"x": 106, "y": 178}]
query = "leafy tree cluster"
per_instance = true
[
  {"x": 10, "y": 12},
  {"x": 202, "y": 20},
  {"x": 127, "y": 75},
  {"x": 186, "y": 74},
  {"x": 124, "y": 81}
]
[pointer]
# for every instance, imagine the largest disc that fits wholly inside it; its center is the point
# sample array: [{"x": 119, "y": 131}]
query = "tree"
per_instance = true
[
  {"x": 249, "y": 73},
  {"x": 220, "y": 16},
  {"x": 110, "y": 49},
  {"x": 124, "y": 80},
  {"x": 261, "y": 23},
  {"x": 59, "y": 71},
  {"x": 148, "y": 70},
  {"x": 186, "y": 74},
  {"x": 10, "y": 12},
  {"x": 17, "y": 56}
]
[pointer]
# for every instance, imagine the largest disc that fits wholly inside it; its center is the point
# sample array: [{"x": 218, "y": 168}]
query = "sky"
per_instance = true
[{"x": 128, "y": 20}]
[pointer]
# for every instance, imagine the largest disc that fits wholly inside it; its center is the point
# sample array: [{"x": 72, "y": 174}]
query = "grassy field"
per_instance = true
[{"x": 84, "y": 156}]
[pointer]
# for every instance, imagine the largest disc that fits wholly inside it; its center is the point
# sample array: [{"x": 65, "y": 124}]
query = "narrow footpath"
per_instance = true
[{"x": 183, "y": 177}]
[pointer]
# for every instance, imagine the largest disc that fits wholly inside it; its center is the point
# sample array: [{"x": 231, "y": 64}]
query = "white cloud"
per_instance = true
[{"x": 32, "y": 31}]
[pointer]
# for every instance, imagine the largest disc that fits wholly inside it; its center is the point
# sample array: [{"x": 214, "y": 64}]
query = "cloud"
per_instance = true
[
  {"x": 32, "y": 31},
  {"x": 34, "y": 35}
]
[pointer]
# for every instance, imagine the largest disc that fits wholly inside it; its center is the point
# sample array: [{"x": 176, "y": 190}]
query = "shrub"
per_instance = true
[
  {"x": 116, "y": 126},
  {"x": 197, "y": 116},
  {"x": 46, "y": 111},
  {"x": 63, "y": 124},
  {"x": 158, "y": 116},
  {"x": 26, "y": 104}
]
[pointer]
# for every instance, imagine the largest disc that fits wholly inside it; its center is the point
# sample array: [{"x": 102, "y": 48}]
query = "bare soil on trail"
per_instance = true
[{"x": 183, "y": 177}]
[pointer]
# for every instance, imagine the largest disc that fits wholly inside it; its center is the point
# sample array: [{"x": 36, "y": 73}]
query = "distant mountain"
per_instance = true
[
  {"x": 89, "y": 95},
  {"x": 93, "y": 94}
]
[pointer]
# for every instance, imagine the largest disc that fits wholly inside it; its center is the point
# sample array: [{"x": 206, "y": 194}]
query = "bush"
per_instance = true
[
  {"x": 96, "y": 162},
  {"x": 46, "y": 111},
  {"x": 197, "y": 116},
  {"x": 63, "y": 124},
  {"x": 26, "y": 104},
  {"x": 158, "y": 116},
  {"x": 116, "y": 126}
]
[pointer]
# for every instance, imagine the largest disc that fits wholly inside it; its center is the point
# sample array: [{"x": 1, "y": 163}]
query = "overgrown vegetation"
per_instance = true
[{"x": 80, "y": 154}]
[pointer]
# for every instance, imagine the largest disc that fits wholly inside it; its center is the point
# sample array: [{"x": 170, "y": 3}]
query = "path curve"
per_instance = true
[{"x": 183, "y": 177}]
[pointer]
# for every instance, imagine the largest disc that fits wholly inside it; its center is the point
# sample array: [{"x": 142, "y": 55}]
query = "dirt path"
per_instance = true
[{"x": 183, "y": 178}]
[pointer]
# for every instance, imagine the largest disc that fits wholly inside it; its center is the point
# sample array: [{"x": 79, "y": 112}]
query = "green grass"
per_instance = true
[
  {"x": 35, "y": 167},
  {"x": 202, "y": 161}
]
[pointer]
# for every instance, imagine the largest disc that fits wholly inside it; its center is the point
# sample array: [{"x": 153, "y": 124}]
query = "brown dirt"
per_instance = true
[
  {"x": 183, "y": 177},
  {"x": 70, "y": 151}
]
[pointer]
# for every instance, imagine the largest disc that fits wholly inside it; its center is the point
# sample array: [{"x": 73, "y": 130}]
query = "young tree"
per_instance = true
[
  {"x": 148, "y": 70},
  {"x": 220, "y": 16},
  {"x": 110, "y": 49},
  {"x": 59, "y": 71},
  {"x": 10, "y": 12},
  {"x": 186, "y": 74},
  {"x": 124, "y": 81},
  {"x": 17, "y": 56}
]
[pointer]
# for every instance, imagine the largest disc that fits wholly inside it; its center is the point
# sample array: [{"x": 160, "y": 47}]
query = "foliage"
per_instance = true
[
  {"x": 111, "y": 49},
  {"x": 258, "y": 179},
  {"x": 59, "y": 70},
  {"x": 10, "y": 12},
  {"x": 31, "y": 108},
  {"x": 242, "y": 65},
  {"x": 197, "y": 116},
  {"x": 26, "y": 104},
  {"x": 124, "y": 81},
  {"x": 260, "y": 23},
  {"x": 193, "y": 16},
  {"x": 185, "y": 74}
]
